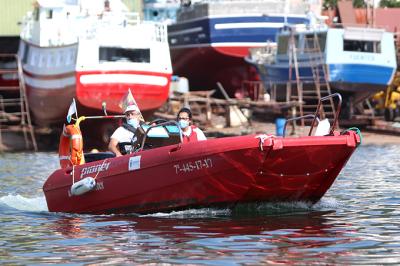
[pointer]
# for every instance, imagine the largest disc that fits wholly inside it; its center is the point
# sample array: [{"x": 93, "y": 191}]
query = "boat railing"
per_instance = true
[
  {"x": 161, "y": 32},
  {"x": 358, "y": 25},
  {"x": 163, "y": 124},
  {"x": 293, "y": 119},
  {"x": 337, "y": 112},
  {"x": 315, "y": 116}
]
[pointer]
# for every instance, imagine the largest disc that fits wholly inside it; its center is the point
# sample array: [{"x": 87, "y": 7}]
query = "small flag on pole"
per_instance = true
[
  {"x": 71, "y": 111},
  {"x": 128, "y": 100}
]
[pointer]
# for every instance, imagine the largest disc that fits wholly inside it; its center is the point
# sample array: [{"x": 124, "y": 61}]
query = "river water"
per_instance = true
[{"x": 356, "y": 222}]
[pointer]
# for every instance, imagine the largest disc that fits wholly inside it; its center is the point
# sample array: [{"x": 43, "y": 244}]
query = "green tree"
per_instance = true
[
  {"x": 356, "y": 3},
  {"x": 389, "y": 3}
]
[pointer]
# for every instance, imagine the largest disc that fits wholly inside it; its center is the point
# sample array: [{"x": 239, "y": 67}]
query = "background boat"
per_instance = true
[
  {"x": 123, "y": 53},
  {"x": 48, "y": 48},
  {"x": 210, "y": 39},
  {"x": 95, "y": 51},
  {"x": 355, "y": 61}
]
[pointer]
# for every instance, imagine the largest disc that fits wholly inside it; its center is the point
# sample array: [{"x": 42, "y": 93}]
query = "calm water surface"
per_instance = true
[{"x": 357, "y": 222}]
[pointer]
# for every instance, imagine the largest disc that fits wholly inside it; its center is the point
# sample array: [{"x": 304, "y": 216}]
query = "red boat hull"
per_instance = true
[
  {"x": 149, "y": 96},
  {"x": 216, "y": 172},
  {"x": 205, "y": 66}
]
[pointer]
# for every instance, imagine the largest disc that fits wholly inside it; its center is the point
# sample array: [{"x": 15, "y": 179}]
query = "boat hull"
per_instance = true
[
  {"x": 49, "y": 76},
  {"x": 343, "y": 78},
  {"x": 216, "y": 172},
  {"x": 150, "y": 89},
  {"x": 205, "y": 66}
]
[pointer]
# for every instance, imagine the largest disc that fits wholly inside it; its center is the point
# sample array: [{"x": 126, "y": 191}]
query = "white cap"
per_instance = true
[{"x": 132, "y": 108}]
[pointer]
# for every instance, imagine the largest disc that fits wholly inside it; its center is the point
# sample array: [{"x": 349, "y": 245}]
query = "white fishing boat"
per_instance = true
[{"x": 94, "y": 51}]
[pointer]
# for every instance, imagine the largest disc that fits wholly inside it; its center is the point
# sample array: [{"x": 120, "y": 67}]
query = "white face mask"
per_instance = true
[
  {"x": 133, "y": 122},
  {"x": 183, "y": 123}
]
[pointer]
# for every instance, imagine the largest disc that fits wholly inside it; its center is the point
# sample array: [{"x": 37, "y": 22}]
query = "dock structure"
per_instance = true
[
  {"x": 14, "y": 109},
  {"x": 212, "y": 112}
]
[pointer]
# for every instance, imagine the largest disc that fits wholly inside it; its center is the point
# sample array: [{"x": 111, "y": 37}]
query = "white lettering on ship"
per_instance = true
[
  {"x": 193, "y": 165},
  {"x": 94, "y": 169}
]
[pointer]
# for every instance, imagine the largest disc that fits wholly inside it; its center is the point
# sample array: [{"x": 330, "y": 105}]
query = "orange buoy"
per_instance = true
[{"x": 70, "y": 150}]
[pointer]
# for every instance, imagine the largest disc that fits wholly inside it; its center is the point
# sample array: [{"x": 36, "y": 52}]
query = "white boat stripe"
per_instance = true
[
  {"x": 51, "y": 84},
  {"x": 181, "y": 32},
  {"x": 223, "y": 26},
  {"x": 222, "y": 44},
  {"x": 123, "y": 78}
]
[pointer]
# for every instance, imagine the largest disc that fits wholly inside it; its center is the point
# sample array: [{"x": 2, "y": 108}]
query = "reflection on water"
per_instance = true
[{"x": 357, "y": 222}]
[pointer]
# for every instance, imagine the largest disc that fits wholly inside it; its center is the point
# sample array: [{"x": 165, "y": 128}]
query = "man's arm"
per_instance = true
[{"x": 113, "y": 146}]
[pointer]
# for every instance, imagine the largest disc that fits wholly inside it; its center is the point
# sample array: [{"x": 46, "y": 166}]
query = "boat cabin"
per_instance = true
[
  {"x": 151, "y": 136},
  {"x": 357, "y": 44},
  {"x": 50, "y": 24}
]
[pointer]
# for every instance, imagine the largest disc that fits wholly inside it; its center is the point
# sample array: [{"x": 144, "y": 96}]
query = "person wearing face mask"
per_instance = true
[
  {"x": 128, "y": 136},
  {"x": 190, "y": 132}
]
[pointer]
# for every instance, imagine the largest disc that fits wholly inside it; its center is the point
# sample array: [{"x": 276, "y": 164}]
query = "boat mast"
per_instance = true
[{"x": 286, "y": 11}]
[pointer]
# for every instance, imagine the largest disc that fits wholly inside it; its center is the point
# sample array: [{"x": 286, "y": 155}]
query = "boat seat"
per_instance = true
[{"x": 96, "y": 156}]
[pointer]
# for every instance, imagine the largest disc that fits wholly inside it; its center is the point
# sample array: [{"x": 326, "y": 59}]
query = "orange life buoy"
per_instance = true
[{"x": 70, "y": 151}]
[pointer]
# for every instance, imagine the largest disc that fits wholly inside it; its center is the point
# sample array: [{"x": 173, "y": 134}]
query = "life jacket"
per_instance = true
[
  {"x": 70, "y": 151},
  {"x": 192, "y": 137},
  {"x": 138, "y": 134}
]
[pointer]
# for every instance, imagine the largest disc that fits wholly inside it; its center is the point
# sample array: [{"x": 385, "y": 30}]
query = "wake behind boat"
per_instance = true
[{"x": 165, "y": 174}]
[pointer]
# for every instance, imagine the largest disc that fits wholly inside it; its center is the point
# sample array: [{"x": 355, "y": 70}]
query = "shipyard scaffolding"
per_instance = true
[
  {"x": 14, "y": 109},
  {"x": 309, "y": 87}
]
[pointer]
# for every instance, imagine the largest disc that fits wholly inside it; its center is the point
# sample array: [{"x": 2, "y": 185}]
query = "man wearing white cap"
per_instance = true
[{"x": 125, "y": 138}]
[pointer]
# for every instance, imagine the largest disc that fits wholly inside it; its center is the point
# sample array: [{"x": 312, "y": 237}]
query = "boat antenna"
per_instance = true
[
  {"x": 286, "y": 11},
  {"x": 103, "y": 106}
]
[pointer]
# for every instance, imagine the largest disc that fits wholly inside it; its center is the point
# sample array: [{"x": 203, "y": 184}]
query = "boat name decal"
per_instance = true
[
  {"x": 362, "y": 57},
  {"x": 94, "y": 169},
  {"x": 193, "y": 165}
]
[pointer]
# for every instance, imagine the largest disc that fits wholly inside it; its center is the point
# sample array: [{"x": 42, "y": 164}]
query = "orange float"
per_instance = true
[{"x": 70, "y": 150}]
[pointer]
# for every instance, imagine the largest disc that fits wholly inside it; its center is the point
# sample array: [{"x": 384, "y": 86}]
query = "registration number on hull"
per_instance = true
[{"x": 193, "y": 165}]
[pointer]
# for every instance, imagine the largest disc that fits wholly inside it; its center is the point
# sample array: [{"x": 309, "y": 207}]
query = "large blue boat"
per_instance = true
[{"x": 358, "y": 61}]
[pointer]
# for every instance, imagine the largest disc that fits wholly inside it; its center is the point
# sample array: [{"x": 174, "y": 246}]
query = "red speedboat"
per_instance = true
[{"x": 216, "y": 172}]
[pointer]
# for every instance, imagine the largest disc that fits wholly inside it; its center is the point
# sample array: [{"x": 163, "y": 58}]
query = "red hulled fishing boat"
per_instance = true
[{"x": 216, "y": 172}]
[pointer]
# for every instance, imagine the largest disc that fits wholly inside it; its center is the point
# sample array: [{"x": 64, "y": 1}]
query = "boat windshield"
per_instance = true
[{"x": 162, "y": 135}]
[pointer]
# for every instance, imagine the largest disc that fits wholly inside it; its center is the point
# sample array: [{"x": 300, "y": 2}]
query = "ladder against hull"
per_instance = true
[
  {"x": 309, "y": 88},
  {"x": 14, "y": 108}
]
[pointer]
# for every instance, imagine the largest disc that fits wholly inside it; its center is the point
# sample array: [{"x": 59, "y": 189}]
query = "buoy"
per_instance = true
[{"x": 83, "y": 186}]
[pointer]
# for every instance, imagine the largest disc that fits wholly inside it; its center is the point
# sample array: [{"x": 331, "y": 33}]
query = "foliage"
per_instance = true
[
  {"x": 389, "y": 3},
  {"x": 356, "y": 3}
]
